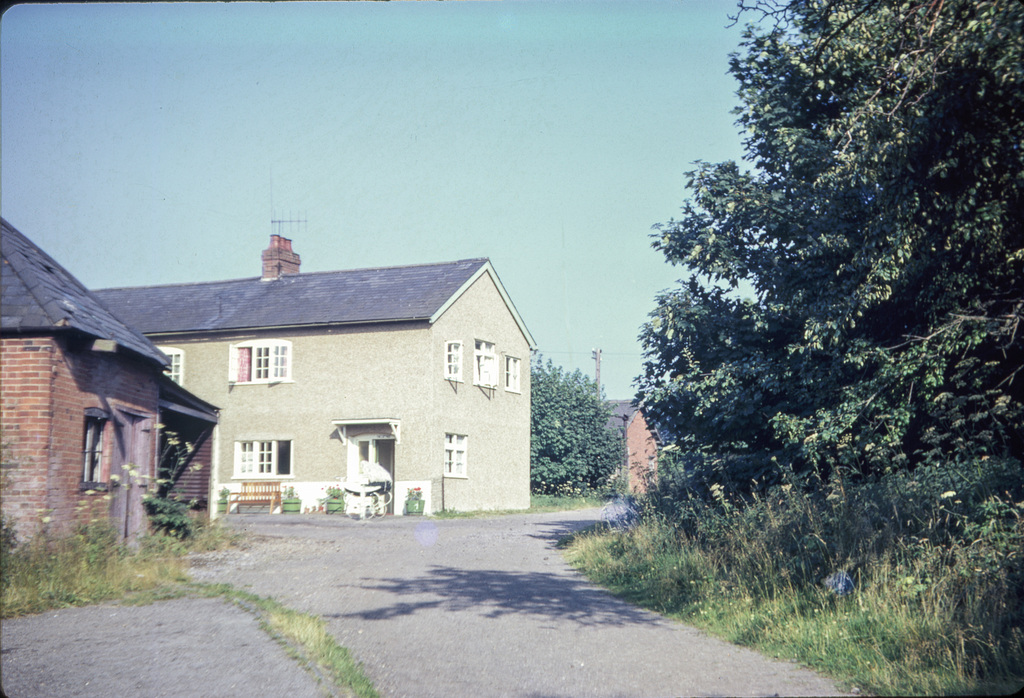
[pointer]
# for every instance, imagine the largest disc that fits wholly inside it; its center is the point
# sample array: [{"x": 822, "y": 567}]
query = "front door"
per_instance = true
[{"x": 380, "y": 449}]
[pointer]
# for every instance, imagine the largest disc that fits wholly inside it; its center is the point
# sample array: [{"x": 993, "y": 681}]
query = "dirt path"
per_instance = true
[{"x": 486, "y": 607}]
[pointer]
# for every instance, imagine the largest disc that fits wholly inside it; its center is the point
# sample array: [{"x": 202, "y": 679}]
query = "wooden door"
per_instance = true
[{"x": 133, "y": 468}]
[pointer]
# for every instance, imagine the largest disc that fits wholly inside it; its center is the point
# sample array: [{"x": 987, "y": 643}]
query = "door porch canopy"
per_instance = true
[{"x": 344, "y": 425}]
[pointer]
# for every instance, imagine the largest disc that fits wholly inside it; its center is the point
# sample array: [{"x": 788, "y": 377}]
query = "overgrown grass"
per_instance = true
[
  {"x": 91, "y": 566},
  {"x": 937, "y": 606},
  {"x": 87, "y": 567}
]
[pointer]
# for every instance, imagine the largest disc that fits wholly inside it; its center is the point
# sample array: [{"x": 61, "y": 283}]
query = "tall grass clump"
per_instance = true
[
  {"x": 937, "y": 605},
  {"x": 92, "y": 565}
]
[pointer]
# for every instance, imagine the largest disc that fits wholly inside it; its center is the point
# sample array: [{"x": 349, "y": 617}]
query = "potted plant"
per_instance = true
[
  {"x": 290, "y": 503},
  {"x": 335, "y": 500},
  {"x": 414, "y": 501},
  {"x": 222, "y": 500}
]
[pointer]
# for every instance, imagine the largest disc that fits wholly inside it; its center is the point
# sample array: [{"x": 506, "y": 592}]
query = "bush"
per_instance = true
[
  {"x": 170, "y": 516},
  {"x": 571, "y": 447}
]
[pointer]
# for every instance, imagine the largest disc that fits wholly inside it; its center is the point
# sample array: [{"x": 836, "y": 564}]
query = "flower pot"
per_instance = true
[
  {"x": 291, "y": 506},
  {"x": 222, "y": 506},
  {"x": 335, "y": 506},
  {"x": 414, "y": 507}
]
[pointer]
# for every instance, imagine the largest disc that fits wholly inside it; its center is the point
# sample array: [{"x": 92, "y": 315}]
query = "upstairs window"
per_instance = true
[
  {"x": 176, "y": 370},
  {"x": 453, "y": 361},
  {"x": 455, "y": 455},
  {"x": 263, "y": 458},
  {"x": 266, "y": 361},
  {"x": 512, "y": 365},
  {"x": 485, "y": 365}
]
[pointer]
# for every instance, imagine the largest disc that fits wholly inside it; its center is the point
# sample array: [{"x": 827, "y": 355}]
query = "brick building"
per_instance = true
[
  {"x": 82, "y": 397},
  {"x": 640, "y": 465}
]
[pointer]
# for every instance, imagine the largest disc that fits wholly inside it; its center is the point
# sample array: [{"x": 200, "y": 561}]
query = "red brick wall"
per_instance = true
[
  {"x": 643, "y": 454},
  {"x": 48, "y": 382},
  {"x": 26, "y": 377}
]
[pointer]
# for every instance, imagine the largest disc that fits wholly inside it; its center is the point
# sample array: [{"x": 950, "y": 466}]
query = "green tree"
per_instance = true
[
  {"x": 571, "y": 446},
  {"x": 882, "y": 232}
]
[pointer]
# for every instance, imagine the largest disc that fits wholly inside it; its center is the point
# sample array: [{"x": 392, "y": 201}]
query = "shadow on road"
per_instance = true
[{"x": 495, "y": 593}]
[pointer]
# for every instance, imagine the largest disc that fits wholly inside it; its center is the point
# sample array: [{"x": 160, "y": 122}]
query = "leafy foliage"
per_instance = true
[
  {"x": 167, "y": 513},
  {"x": 170, "y": 516},
  {"x": 882, "y": 234},
  {"x": 175, "y": 458},
  {"x": 571, "y": 447}
]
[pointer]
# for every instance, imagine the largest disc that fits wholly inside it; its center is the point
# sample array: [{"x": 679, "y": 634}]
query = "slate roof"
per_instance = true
[
  {"x": 314, "y": 298},
  {"x": 622, "y": 414},
  {"x": 39, "y": 295}
]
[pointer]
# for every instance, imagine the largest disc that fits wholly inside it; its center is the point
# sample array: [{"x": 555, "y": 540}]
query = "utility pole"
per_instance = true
[{"x": 596, "y": 355}]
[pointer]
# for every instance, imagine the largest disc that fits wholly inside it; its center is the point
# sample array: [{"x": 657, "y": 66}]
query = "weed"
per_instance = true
[{"x": 169, "y": 516}]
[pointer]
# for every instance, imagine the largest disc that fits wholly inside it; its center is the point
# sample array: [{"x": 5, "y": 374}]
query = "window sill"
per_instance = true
[
  {"x": 94, "y": 486},
  {"x": 270, "y": 382},
  {"x": 261, "y": 476},
  {"x": 456, "y": 477}
]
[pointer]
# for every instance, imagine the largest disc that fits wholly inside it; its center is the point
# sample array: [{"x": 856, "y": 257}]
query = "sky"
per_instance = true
[{"x": 155, "y": 143}]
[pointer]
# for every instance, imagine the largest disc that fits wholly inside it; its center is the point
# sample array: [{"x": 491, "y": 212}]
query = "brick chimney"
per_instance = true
[{"x": 278, "y": 259}]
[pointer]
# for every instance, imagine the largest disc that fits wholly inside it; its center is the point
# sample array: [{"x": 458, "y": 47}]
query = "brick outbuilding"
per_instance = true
[
  {"x": 642, "y": 442},
  {"x": 82, "y": 399}
]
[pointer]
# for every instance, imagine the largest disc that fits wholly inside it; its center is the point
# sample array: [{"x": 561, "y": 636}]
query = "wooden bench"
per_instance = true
[{"x": 268, "y": 493}]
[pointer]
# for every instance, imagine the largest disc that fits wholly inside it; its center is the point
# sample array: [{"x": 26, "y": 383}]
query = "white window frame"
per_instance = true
[
  {"x": 271, "y": 357},
  {"x": 456, "y": 460},
  {"x": 453, "y": 361},
  {"x": 92, "y": 449},
  {"x": 513, "y": 369},
  {"x": 485, "y": 364},
  {"x": 176, "y": 371},
  {"x": 260, "y": 459}
]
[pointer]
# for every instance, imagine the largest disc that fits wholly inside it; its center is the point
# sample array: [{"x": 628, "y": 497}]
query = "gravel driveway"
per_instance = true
[
  {"x": 488, "y": 607},
  {"x": 472, "y": 607}
]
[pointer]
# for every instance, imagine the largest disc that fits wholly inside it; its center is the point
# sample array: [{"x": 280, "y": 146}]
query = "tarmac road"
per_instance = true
[{"x": 463, "y": 607}]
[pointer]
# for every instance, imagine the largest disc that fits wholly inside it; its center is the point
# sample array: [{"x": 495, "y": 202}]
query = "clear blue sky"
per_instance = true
[{"x": 153, "y": 143}]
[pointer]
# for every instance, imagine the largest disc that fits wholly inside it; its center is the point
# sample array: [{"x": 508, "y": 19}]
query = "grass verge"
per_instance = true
[
  {"x": 305, "y": 638},
  {"x": 91, "y": 567},
  {"x": 893, "y": 636},
  {"x": 88, "y": 567}
]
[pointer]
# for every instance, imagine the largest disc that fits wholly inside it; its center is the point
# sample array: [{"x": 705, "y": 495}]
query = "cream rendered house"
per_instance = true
[{"x": 422, "y": 369}]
